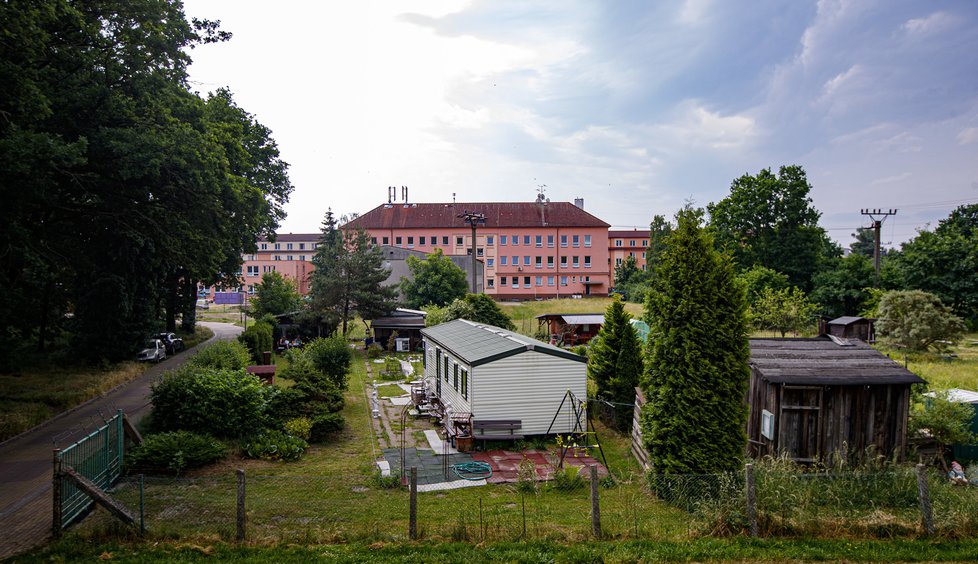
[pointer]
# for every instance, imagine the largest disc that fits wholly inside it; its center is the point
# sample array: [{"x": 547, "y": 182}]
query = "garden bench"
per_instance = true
[{"x": 497, "y": 430}]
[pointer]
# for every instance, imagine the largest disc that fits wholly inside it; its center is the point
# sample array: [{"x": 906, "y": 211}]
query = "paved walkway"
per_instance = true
[{"x": 26, "y": 460}]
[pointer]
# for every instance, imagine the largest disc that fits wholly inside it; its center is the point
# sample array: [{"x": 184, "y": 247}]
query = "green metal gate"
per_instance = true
[{"x": 97, "y": 457}]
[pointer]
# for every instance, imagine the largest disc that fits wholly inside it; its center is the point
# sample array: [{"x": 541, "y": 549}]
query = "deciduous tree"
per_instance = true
[
  {"x": 434, "y": 279},
  {"x": 917, "y": 320},
  {"x": 697, "y": 369},
  {"x": 784, "y": 310},
  {"x": 275, "y": 295}
]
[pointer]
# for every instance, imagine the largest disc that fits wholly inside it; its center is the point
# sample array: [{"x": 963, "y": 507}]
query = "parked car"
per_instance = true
[
  {"x": 172, "y": 342},
  {"x": 203, "y": 304},
  {"x": 155, "y": 351}
]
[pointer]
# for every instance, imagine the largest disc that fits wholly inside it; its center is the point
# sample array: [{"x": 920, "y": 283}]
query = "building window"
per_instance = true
[
  {"x": 502, "y": 239},
  {"x": 288, "y": 246},
  {"x": 576, "y": 240},
  {"x": 490, "y": 262},
  {"x": 490, "y": 240},
  {"x": 278, "y": 246},
  {"x": 288, "y": 257},
  {"x": 397, "y": 240},
  {"x": 645, "y": 243},
  {"x": 490, "y": 283},
  {"x": 539, "y": 262},
  {"x": 617, "y": 242},
  {"x": 421, "y": 241},
  {"x": 563, "y": 240},
  {"x": 631, "y": 254},
  {"x": 576, "y": 262},
  {"x": 526, "y": 240},
  {"x": 455, "y": 378},
  {"x": 387, "y": 241},
  {"x": 251, "y": 290},
  {"x": 539, "y": 280},
  {"x": 438, "y": 363},
  {"x": 526, "y": 281},
  {"x": 516, "y": 260},
  {"x": 373, "y": 240},
  {"x": 587, "y": 261},
  {"x": 550, "y": 262},
  {"x": 302, "y": 257},
  {"x": 277, "y": 257},
  {"x": 643, "y": 254},
  {"x": 631, "y": 242},
  {"x": 550, "y": 280},
  {"x": 587, "y": 240},
  {"x": 502, "y": 260},
  {"x": 550, "y": 241},
  {"x": 268, "y": 268},
  {"x": 516, "y": 281},
  {"x": 516, "y": 240},
  {"x": 410, "y": 242},
  {"x": 563, "y": 262},
  {"x": 446, "y": 368},
  {"x": 526, "y": 260},
  {"x": 264, "y": 246},
  {"x": 459, "y": 240},
  {"x": 479, "y": 252},
  {"x": 444, "y": 240},
  {"x": 253, "y": 270},
  {"x": 502, "y": 281},
  {"x": 617, "y": 262},
  {"x": 315, "y": 246},
  {"x": 302, "y": 246},
  {"x": 563, "y": 280},
  {"x": 465, "y": 384},
  {"x": 539, "y": 240}
]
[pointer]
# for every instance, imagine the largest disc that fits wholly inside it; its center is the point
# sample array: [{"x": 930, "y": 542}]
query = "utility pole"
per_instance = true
[
  {"x": 878, "y": 216},
  {"x": 474, "y": 219}
]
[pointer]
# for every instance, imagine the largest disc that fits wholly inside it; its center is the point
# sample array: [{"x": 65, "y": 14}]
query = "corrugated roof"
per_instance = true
[
  {"x": 478, "y": 343},
  {"x": 628, "y": 234},
  {"x": 584, "y": 319},
  {"x": 958, "y": 395},
  {"x": 822, "y": 362},
  {"x": 498, "y": 214}
]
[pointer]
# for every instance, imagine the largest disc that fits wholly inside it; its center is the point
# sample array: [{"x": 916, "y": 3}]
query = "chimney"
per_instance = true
[{"x": 579, "y": 202}]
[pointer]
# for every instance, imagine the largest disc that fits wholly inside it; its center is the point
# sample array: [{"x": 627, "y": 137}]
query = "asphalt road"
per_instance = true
[{"x": 26, "y": 460}]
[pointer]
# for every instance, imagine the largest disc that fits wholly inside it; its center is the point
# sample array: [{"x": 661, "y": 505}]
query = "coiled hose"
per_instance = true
[{"x": 472, "y": 470}]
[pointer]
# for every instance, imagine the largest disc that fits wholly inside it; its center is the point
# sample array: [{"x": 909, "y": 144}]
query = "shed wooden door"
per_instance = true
[{"x": 800, "y": 423}]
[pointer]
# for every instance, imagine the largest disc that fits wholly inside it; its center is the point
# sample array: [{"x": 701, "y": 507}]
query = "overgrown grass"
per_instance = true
[
  {"x": 956, "y": 368},
  {"x": 390, "y": 391}
]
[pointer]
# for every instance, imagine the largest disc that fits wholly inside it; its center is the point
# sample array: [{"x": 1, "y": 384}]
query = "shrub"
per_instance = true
[
  {"x": 258, "y": 339},
  {"x": 224, "y": 403},
  {"x": 325, "y": 425},
  {"x": 374, "y": 351},
  {"x": 301, "y": 368},
  {"x": 230, "y": 355},
  {"x": 392, "y": 369},
  {"x": 526, "y": 476},
  {"x": 298, "y": 427},
  {"x": 332, "y": 357},
  {"x": 274, "y": 445},
  {"x": 174, "y": 452},
  {"x": 568, "y": 478}
]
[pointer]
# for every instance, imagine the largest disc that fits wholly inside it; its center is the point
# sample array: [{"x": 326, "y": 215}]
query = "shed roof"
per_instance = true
[
  {"x": 478, "y": 343},
  {"x": 958, "y": 395},
  {"x": 847, "y": 320},
  {"x": 498, "y": 214},
  {"x": 822, "y": 362},
  {"x": 575, "y": 318}
]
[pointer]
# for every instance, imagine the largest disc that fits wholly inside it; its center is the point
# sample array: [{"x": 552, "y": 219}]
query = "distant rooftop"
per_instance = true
[{"x": 498, "y": 214}]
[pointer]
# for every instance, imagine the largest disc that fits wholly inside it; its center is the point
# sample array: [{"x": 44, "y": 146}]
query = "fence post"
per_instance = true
[
  {"x": 595, "y": 504},
  {"x": 142, "y": 505},
  {"x": 751, "y": 499},
  {"x": 413, "y": 515},
  {"x": 56, "y": 494},
  {"x": 926, "y": 513},
  {"x": 241, "y": 521}
]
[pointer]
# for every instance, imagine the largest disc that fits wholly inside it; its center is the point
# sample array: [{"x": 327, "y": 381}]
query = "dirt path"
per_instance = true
[{"x": 26, "y": 460}]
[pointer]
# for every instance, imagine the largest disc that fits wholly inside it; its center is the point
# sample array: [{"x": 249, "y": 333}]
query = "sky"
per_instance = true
[{"x": 637, "y": 107}]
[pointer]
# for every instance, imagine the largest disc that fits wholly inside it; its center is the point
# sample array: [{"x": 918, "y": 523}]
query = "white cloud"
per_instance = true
[
  {"x": 892, "y": 179},
  {"x": 968, "y": 136},
  {"x": 938, "y": 21},
  {"x": 697, "y": 127}
]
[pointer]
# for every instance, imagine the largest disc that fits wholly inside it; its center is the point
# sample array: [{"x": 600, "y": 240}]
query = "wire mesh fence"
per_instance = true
[{"x": 326, "y": 509}]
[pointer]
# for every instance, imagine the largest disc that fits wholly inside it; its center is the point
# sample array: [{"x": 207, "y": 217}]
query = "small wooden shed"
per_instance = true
[
  {"x": 813, "y": 398},
  {"x": 512, "y": 384},
  {"x": 849, "y": 327},
  {"x": 571, "y": 329}
]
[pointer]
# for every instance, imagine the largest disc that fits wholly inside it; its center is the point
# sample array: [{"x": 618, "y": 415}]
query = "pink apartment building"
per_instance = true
[
  {"x": 626, "y": 243},
  {"x": 290, "y": 255},
  {"x": 529, "y": 249}
]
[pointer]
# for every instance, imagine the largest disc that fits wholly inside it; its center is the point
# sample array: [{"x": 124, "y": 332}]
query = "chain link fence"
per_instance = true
[{"x": 329, "y": 509}]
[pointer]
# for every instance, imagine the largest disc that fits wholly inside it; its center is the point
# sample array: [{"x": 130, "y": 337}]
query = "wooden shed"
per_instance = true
[
  {"x": 493, "y": 383},
  {"x": 813, "y": 398},
  {"x": 849, "y": 327},
  {"x": 571, "y": 329}
]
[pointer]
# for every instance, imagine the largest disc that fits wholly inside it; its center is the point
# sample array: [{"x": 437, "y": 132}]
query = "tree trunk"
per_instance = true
[{"x": 172, "y": 300}]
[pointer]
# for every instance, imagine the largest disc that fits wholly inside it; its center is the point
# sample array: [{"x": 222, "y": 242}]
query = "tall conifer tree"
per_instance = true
[
  {"x": 615, "y": 362},
  {"x": 697, "y": 367}
]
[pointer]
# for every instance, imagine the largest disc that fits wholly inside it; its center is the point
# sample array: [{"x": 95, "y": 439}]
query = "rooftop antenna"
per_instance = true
[
  {"x": 391, "y": 194},
  {"x": 453, "y": 198},
  {"x": 404, "y": 192}
]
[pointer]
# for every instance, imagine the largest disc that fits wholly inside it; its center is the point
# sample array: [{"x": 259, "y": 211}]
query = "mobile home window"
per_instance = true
[
  {"x": 437, "y": 363},
  {"x": 465, "y": 384},
  {"x": 446, "y": 369},
  {"x": 455, "y": 378}
]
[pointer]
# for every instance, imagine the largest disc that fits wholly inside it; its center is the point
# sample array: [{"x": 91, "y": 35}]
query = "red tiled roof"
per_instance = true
[
  {"x": 625, "y": 234},
  {"x": 293, "y": 238},
  {"x": 498, "y": 214}
]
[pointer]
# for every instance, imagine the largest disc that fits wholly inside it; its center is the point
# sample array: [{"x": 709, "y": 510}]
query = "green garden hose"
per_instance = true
[{"x": 472, "y": 470}]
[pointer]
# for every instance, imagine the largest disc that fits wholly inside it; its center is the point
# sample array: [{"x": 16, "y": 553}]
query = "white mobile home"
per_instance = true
[{"x": 492, "y": 383}]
